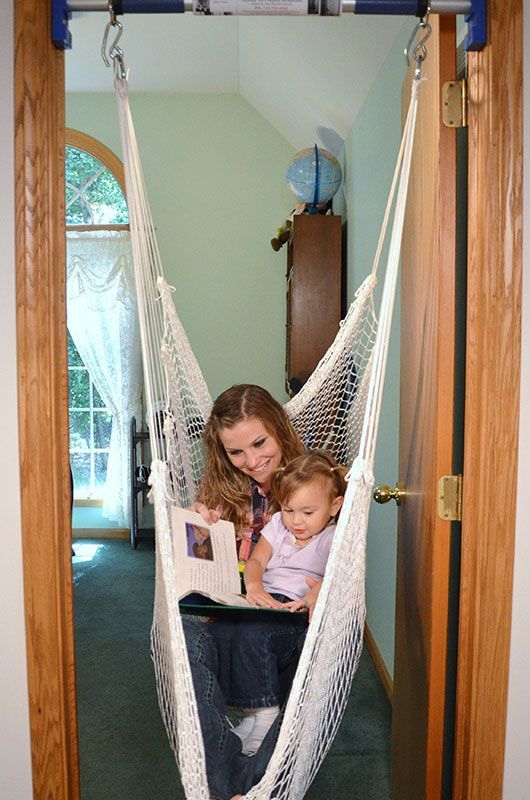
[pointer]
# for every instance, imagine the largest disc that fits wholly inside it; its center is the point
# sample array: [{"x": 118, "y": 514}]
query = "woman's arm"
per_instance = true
[{"x": 253, "y": 576}]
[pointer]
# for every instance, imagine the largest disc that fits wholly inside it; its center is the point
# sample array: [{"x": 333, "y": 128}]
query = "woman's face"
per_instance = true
[{"x": 252, "y": 449}]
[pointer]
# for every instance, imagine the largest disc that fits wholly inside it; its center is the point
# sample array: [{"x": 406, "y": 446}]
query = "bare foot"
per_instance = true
[{"x": 236, "y": 797}]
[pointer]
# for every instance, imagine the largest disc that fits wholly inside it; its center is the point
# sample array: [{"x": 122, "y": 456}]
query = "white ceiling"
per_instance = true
[{"x": 298, "y": 72}]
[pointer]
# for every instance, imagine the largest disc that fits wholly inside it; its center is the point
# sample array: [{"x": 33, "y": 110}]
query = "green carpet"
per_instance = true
[{"x": 124, "y": 753}]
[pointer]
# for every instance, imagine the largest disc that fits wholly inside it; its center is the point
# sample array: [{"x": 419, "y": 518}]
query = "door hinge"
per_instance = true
[
  {"x": 454, "y": 104},
  {"x": 450, "y": 497}
]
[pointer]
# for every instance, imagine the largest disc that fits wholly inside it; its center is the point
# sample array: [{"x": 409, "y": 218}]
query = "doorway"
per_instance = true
[{"x": 45, "y": 366}]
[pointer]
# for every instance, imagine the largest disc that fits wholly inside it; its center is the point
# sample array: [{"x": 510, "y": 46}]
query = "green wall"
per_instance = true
[
  {"x": 215, "y": 175},
  {"x": 370, "y": 151}
]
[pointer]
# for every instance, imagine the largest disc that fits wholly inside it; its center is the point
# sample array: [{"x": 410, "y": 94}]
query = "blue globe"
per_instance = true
[{"x": 302, "y": 175}]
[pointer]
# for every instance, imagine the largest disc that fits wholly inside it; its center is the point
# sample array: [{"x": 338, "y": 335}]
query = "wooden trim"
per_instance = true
[
  {"x": 43, "y": 406},
  {"x": 379, "y": 662},
  {"x": 97, "y": 149},
  {"x": 492, "y": 403},
  {"x": 90, "y": 228},
  {"x": 101, "y": 533}
]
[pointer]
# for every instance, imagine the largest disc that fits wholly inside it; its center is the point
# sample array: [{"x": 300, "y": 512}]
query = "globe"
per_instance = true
[{"x": 301, "y": 175}]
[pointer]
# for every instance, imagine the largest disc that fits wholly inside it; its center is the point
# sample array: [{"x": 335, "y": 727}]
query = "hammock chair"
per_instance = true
[{"x": 337, "y": 409}]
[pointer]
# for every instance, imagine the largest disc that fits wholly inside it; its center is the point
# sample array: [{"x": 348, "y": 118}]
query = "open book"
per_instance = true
[{"x": 206, "y": 560}]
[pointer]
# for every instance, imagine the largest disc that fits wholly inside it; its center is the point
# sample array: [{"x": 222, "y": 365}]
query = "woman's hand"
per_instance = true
[
  {"x": 308, "y": 601},
  {"x": 257, "y": 596},
  {"x": 209, "y": 515}
]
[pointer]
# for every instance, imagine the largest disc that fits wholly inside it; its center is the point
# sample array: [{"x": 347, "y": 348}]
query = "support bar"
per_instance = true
[
  {"x": 475, "y": 11},
  {"x": 414, "y": 8}
]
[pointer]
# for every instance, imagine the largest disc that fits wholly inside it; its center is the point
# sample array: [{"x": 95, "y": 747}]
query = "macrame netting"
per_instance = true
[{"x": 338, "y": 408}]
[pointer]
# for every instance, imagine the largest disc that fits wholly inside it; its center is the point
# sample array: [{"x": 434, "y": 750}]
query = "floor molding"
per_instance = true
[
  {"x": 379, "y": 662},
  {"x": 101, "y": 533}
]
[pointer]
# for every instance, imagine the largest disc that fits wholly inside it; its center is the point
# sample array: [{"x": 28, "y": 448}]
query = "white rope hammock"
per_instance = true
[{"x": 338, "y": 408}]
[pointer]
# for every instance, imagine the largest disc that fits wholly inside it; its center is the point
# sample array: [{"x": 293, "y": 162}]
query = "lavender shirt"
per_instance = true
[{"x": 289, "y": 566}]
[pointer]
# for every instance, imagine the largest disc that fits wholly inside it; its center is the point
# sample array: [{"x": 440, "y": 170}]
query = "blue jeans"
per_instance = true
[
  {"x": 254, "y": 654},
  {"x": 229, "y": 772}
]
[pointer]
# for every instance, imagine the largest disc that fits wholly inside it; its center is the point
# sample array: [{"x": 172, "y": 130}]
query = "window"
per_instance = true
[
  {"x": 93, "y": 195},
  {"x": 90, "y": 428},
  {"x": 94, "y": 200}
]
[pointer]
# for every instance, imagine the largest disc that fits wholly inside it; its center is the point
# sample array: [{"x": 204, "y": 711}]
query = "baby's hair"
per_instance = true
[{"x": 313, "y": 465}]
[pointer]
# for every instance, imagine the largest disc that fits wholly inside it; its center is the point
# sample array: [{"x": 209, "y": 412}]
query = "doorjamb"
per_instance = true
[
  {"x": 43, "y": 401},
  {"x": 492, "y": 402},
  {"x": 493, "y": 353}
]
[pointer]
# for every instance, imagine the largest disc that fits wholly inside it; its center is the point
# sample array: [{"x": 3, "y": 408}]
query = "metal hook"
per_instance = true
[
  {"x": 115, "y": 53},
  {"x": 419, "y": 52},
  {"x": 119, "y": 64},
  {"x": 113, "y": 49}
]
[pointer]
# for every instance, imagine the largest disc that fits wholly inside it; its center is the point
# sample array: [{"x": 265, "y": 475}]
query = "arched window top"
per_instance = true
[{"x": 94, "y": 183}]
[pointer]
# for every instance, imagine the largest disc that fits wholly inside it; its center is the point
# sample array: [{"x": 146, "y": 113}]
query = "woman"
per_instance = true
[{"x": 247, "y": 437}]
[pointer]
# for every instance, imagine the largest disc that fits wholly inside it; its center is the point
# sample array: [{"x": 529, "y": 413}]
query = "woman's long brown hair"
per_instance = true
[{"x": 223, "y": 484}]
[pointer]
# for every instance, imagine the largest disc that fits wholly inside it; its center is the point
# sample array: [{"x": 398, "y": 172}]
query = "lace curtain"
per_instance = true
[{"x": 103, "y": 323}]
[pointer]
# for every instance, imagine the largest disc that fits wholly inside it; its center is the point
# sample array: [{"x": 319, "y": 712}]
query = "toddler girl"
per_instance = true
[{"x": 285, "y": 570}]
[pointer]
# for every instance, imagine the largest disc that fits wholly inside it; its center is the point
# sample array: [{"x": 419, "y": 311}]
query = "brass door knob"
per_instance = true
[{"x": 383, "y": 494}]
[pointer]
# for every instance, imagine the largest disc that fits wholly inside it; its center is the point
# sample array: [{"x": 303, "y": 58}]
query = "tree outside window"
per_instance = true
[{"x": 93, "y": 195}]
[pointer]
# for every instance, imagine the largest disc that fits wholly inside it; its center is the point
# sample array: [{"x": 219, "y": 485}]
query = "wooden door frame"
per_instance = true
[
  {"x": 495, "y": 262},
  {"x": 492, "y": 402},
  {"x": 40, "y": 255},
  {"x": 43, "y": 401}
]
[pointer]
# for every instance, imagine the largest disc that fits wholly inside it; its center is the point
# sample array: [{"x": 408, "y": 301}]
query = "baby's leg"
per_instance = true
[{"x": 259, "y": 651}]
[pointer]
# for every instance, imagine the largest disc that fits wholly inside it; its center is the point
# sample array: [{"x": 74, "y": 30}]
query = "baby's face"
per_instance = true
[{"x": 309, "y": 509}]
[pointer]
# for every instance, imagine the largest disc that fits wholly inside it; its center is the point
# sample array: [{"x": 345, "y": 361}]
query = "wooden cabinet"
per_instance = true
[{"x": 314, "y": 294}]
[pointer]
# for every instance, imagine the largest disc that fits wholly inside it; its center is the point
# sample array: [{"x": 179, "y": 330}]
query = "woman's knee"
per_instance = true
[{"x": 201, "y": 646}]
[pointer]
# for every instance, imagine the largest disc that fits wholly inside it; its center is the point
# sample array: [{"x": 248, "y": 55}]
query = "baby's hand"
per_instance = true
[
  {"x": 309, "y": 600},
  {"x": 209, "y": 515},
  {"x": 257, "y": 596},
  {"x": 296, "y": 605}
]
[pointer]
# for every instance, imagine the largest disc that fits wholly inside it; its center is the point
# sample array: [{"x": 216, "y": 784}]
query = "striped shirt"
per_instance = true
[{"x": 257, "y": 516}]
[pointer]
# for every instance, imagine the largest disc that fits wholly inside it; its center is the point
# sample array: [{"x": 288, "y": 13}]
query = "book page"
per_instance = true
[{"x": 205, "y": 556}]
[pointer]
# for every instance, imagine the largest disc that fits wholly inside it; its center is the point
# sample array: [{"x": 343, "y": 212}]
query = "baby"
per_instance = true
[{"x": 285, "y": 570}]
